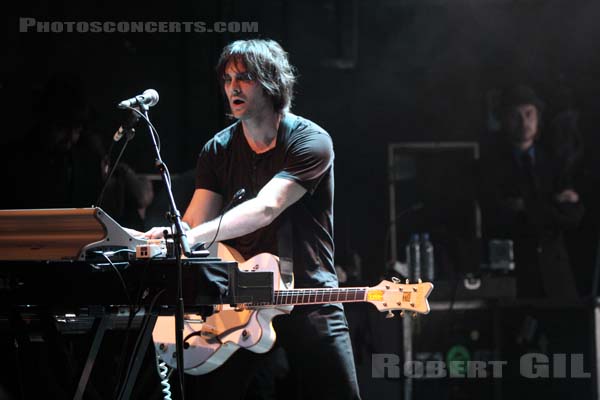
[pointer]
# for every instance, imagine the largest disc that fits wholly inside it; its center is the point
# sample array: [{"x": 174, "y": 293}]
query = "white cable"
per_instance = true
[{"x": 162, "y": 369}]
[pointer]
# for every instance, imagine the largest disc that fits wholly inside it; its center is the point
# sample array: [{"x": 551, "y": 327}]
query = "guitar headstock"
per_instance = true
[{"x": 389, "y": 296}]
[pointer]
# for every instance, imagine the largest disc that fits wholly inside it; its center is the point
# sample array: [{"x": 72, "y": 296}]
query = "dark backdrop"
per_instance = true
[{"x": 371, "y": 73}]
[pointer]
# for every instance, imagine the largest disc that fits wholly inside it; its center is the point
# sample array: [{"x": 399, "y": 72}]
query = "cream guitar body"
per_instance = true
[{"x": 209, "y": 343}]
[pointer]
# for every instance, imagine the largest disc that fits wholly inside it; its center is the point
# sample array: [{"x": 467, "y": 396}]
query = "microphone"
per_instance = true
[
  {"x": 148, "y": 99},
  {"x": 237, "y": 196},
  {"x": 127, "y": 126}
]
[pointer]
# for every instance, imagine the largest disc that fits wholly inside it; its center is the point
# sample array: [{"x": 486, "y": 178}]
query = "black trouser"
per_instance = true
[{"x": 317, "y": 345}]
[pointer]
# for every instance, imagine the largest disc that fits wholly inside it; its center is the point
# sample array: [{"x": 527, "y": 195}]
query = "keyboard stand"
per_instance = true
[{"x": 101, "y": 325}]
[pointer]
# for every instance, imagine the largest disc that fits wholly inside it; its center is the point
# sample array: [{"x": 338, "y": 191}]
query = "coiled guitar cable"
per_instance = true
[{"x": 164, "y": 373}]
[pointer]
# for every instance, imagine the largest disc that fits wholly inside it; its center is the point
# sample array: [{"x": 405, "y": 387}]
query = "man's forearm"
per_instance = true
[{"x": 241, "y": 220}]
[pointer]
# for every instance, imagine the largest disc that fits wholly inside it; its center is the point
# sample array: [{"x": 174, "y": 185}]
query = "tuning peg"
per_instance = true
[
  {"x": 402, "y": 313},
  {"x": 407, "y": 281},
  {"x": 389, "y": 314},
  {"x": 414, "y": 315},
  {"x": 420, "y": 280}
]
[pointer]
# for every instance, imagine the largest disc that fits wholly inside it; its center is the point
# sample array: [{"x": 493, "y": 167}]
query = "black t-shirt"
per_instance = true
[{"x": 303, "y": 154}]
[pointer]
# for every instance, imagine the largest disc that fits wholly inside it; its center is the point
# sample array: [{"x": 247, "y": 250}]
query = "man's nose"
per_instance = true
[{"x": 235, "y": 86}]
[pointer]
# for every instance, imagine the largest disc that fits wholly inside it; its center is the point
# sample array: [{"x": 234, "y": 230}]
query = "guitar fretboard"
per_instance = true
[{"x": 316, "y": 296}]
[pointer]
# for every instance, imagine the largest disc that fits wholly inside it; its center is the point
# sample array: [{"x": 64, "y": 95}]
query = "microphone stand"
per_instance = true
[
  {"x": 129, "y": 134},
  {"x": 180, "y": 244}
]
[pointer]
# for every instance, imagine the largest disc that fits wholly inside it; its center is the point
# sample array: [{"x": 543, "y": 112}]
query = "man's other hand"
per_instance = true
[{"x": 567, "y": 196}]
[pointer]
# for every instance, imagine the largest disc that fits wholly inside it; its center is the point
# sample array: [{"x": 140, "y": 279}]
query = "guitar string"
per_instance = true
[{"x": 310, "y": 296}]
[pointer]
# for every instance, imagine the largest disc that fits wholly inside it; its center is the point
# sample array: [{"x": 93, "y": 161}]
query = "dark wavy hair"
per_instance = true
[{"x": 268, "y": 64}]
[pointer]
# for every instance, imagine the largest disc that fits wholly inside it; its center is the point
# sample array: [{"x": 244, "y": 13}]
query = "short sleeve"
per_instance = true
[
  {"x": 206, "y": 176},
  {"x": 308, "y": 158}
]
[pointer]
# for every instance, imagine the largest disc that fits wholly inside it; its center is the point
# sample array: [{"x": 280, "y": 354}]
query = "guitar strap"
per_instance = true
[{"x": 285, "y": 237}]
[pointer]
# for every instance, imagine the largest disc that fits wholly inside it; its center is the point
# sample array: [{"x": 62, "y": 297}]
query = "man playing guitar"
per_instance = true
[{"x": 285, "y": 164}]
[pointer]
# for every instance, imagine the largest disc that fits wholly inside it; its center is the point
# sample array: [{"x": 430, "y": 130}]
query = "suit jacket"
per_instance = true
[{"x": 536, "y": 227}]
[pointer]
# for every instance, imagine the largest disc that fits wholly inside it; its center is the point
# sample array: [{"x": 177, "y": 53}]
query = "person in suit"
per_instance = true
[{"x": 524, "y": 199}]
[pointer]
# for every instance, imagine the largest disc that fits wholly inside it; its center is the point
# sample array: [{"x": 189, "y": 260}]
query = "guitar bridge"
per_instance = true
[{"x": 193, "y": 319}]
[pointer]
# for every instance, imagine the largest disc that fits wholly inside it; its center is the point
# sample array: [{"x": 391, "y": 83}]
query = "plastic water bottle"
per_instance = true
[
  {"x": 427, "y": 260},
  {"x": 413, "y": 258}
]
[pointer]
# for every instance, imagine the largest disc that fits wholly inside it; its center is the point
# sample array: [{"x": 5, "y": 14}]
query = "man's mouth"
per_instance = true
[{"x": 237, "y": 102}]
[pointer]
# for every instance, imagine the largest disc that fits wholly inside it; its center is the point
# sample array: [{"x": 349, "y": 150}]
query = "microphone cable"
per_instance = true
[
  {"x": 236, "y": 197},
  {"x": 129, "y": 132}
]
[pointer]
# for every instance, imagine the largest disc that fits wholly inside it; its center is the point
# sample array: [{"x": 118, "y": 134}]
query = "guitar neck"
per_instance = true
[
  {"x": 317, "y": 296},
  {"x": 386, "y": 296}
]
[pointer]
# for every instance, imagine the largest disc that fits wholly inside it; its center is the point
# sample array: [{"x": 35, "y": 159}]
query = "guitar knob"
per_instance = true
[{"x": 389, "y": 314}]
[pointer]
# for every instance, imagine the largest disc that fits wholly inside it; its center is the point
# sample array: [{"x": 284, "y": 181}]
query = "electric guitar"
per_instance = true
[{"x": 209, "y": 343}]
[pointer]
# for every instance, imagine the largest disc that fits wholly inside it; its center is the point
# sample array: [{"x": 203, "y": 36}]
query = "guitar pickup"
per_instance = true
[{"x": 250, "y": 287}]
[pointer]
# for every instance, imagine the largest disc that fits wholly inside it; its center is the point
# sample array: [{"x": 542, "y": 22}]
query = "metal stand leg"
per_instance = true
[
  {"x": 497, "y": 353},
  {"x": 407, "y": 347},
  {"x": 596, "y": 379},
  {"x": 101, "y": 327},
  {"x": 139, "y": 357},
  {"x": 596, "y": 322}
]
